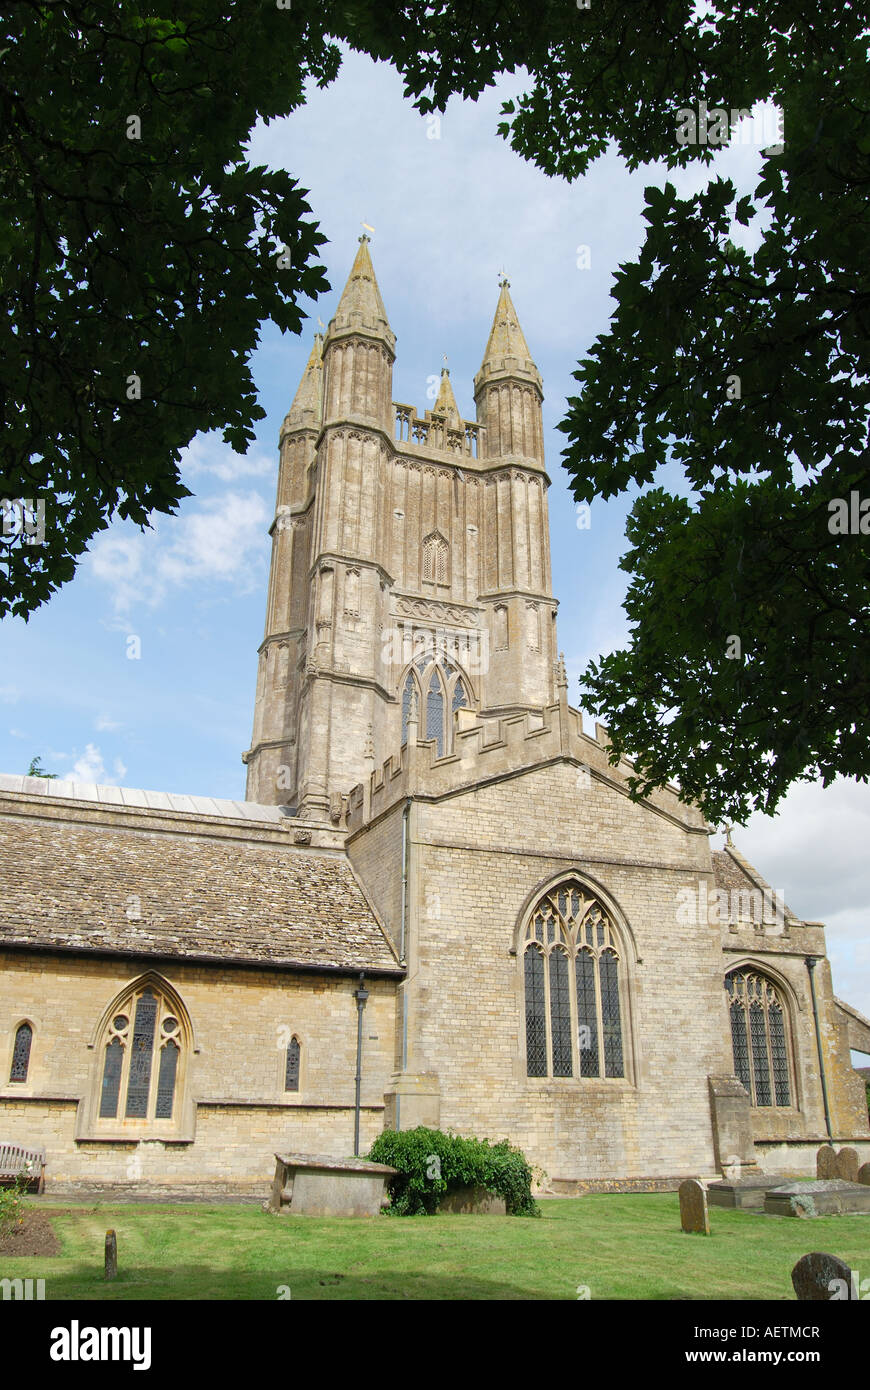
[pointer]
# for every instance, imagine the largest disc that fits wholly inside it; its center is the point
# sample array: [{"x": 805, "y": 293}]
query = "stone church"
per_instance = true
[{"x": 431, "y": 843}]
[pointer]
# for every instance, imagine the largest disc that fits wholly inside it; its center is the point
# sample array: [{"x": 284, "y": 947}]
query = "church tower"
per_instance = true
[{"x": 410, "y": 590}]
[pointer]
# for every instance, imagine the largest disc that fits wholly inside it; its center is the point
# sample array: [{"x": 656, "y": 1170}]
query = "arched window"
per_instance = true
[
  {"x": 571, "y": 969},
  {"x": 291, "y": 1072},
  {"x": 759, "y": 1037},
  {"x": 435, "y": 555},
  {"x": 141, "y": 1055},
  {"x": 439, "y": 687},
  {"x": 21, "y": 1052}
]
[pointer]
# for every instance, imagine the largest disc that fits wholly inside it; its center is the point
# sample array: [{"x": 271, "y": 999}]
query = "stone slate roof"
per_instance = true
[{"x": 207, "y": 888}]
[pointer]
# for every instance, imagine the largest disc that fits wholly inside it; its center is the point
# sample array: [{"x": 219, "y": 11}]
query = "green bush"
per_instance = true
[
  {"x": 432, "y": 1163},
  {"x": 12, "y": 1205}
]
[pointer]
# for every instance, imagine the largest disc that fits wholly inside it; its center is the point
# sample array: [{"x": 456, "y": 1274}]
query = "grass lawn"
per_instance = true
[{"x": 626, "y": 1247}]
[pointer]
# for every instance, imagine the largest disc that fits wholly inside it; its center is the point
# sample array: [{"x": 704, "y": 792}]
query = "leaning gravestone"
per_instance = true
[
  {"x": 847, "y": 1165},
  {"x": 826, "y": 1162},
  {"x": 820, "y": 1278},
  {"x": 864, "y": 1174},
  {"x": 694, "y": 1216}
]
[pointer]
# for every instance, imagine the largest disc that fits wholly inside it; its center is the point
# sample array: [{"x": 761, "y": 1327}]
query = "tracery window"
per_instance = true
[
  {"x": 142, "y": 1051},
  {"x": 440, "y": 687},
  {"x": 571, "y": 969},
  {"x": 435, "y": 557},
  {"x": 759, "y": 1037},
  {"x": 21, "y": 1052}
]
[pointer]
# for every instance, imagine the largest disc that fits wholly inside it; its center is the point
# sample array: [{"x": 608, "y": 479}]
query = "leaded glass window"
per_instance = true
[
  {"x": 440, "y": 689},
  {"x": 435, "y": 713},
  {"x": 759, "y": 1038},
  {"x": 21, "y": 1052},
  {"x": 574, "y": 1012},
  {"x": 142, "y": 1058},
  {"x": 291, "y": 1075},
  {"x": 536, "y": 1012}
]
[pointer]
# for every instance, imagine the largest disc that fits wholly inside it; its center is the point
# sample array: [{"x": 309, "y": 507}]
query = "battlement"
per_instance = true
[
  {"x": 434, "y": 431},
  {"x": 492, "y": 747}
]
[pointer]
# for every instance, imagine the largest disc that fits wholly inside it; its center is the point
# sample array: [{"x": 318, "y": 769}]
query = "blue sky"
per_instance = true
[{"x": 451, "y": 206}]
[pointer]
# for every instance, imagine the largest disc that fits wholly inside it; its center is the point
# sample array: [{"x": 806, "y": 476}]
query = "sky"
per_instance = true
[{"x": 451, "y": 206}]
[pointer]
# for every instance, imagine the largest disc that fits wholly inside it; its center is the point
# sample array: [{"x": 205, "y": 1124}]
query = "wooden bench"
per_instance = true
[{"x": 17, "y": 1161}]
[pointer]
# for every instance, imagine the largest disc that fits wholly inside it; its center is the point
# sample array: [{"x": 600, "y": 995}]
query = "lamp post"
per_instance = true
[{"x": 360, "y": 995}]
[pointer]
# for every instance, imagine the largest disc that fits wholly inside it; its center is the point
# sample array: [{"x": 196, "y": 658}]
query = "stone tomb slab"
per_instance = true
[
  {"x": 317, "y": 1185},
  {"x": 472, "y": 1201},
  {"x": 748, "y": 1192},
  {"x": 831, "y": 1197}
]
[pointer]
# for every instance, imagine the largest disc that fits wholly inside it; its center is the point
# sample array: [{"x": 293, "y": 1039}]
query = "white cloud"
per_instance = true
[
  {"x": 103, "y": 722},
  {"x": 16, "y": 733},
  {"x": 208, "y": 454},
  {"x": 90, "y": 767},
  {"x": 9, "y": 694},
  {"x": 214, "y": 542}
]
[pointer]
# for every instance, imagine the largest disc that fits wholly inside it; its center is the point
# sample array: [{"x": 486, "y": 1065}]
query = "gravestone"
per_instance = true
[
  {"x": 826, "y": 1162},
  {"x": 864, "y": 1174},
  {"x": 821, "y": 1278},
  {"x": 694, "y": 1216},
  {"x": 111, "y": 1255},
  {"x": 847, "y": 1165}
]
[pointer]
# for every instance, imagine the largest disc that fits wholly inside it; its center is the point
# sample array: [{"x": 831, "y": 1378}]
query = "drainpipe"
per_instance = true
[
  {"x": 811, "y": 965},
  {"x": 360, "y": 995}
]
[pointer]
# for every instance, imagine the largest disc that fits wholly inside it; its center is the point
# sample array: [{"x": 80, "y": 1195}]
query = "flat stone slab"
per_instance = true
[
  {"x": 748, "y": 1192},
  {"x": 319, "y": 1185},
  {"x": 337, "y": 1165},
  {"x": 827, "y": 1197}
]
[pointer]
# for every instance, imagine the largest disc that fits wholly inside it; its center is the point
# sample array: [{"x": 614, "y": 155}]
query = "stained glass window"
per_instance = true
[
  {"x": 111, "y": 1079},
  {"x": 166, "y": 1081},
  {"x": 759, "y": 1038},
  {"x": 291, "y": 1076},
  {"x": 577, "y": 997},
  {"x": 142, "y": 1058},
  {"x": 21, "y": 1053}
]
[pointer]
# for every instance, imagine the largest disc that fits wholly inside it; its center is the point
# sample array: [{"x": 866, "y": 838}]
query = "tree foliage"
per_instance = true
[
  {"x": 139, "y": 252},
  {"x": 156, "y": 258},
  {"x": 431, "y": 1164}
]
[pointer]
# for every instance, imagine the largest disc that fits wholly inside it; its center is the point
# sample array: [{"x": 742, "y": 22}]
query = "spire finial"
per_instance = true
[
  {"x": 445, "y": 370},
  {"x": 503, "y": 281},
  {"x": 364, "y": 236}
]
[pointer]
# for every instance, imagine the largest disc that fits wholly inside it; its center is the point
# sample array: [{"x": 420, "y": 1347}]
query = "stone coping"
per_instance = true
[{"x": 335, "y": 1165}]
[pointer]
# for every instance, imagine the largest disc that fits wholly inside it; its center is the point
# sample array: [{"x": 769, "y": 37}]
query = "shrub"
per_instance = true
[
  {"x": 432, "y": 1163},
  {"x": 12, "y": 1206}
]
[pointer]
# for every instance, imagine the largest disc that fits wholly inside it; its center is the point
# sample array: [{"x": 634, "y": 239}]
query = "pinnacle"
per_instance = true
[
  {"x": 309, "y": 392},
  {"x": 361, "y": 305},
  {"x": 446, "y": 402},
  {"x": 506, "y": 337}
]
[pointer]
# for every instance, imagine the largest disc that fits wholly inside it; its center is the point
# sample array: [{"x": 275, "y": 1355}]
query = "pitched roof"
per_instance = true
[
  {"x": 228, "y": 888},
  {"x": 733, "y": 873}
]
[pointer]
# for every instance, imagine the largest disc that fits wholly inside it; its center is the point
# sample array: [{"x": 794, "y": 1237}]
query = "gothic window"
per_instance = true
[
  {"x": 142, "y": 1050},
  {"x": 571, "y": 970},
  {"x": 435, "y": 712},
  {"x": 21, "y": 1052},
  {"x": 440, "y": 690},
  {"x": 291, "y": 1072},
  {"x": 759, "y": 1037},
  {"x": 435, "y": 555}
]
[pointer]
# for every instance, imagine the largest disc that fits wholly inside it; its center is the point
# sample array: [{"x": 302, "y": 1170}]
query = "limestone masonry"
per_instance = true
[{"x": 545, "y": 959}]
